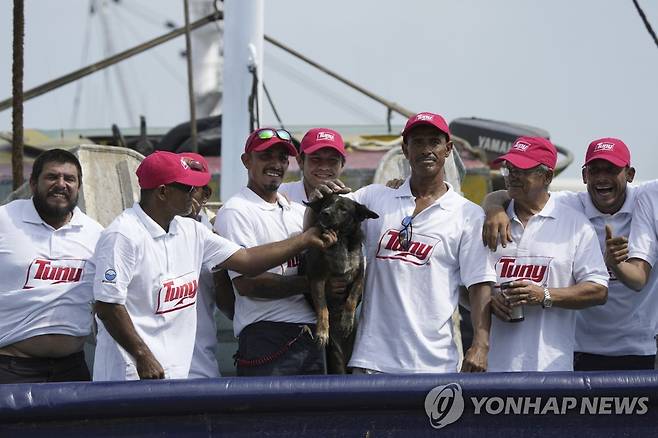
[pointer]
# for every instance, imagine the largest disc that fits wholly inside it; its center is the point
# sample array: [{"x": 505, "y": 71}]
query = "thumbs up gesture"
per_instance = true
[{"x": 616, "y": 248}]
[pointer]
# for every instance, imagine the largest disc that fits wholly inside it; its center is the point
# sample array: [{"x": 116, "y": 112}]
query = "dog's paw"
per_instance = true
[
  {"x": 322, "y": 338},
  {"x": 346, "y": 324}
]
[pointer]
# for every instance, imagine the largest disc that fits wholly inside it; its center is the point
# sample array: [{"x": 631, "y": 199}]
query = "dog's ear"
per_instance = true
[
  {"x": 362, "y": 212},
  {"x": 316, "y": 205}
]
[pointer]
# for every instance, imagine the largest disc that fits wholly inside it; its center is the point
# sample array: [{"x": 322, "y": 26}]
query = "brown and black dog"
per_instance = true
[{"x": 335, "y": 320}]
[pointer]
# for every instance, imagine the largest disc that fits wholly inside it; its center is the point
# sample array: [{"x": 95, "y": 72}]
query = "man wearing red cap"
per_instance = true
[
  {"x": 620, "y": 334},
  {"x": 418, "y": 252},
  {"x": 147, "y": 264},
  {"x": 273, "y": 321},
  {"x": 552, "y": 267},
  {"x": 204, "y": 359},
  {"x": 321, "y": 159}
]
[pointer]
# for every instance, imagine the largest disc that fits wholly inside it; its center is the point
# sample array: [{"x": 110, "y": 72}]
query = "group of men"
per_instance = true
[{"x": 152, "y": 280}]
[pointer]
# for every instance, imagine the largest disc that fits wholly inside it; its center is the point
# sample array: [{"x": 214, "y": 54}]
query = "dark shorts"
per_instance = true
[
  {"x": 268, "y": 348},
  {"x": 598, "y": 362},
  {"x": 70, "y": 368}
]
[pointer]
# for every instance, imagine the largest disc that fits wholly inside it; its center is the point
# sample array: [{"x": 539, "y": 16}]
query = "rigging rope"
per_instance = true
[
  {"x": 276, "y": 113},
  {"x": 646, "y": 22}
]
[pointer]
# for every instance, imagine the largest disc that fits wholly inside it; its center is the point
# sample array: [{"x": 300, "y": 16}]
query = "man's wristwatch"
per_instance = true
[{"x": 548, "y": 302}]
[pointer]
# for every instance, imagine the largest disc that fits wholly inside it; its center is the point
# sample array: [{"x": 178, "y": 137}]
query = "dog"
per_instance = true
[{"x": 335, "y": 320}]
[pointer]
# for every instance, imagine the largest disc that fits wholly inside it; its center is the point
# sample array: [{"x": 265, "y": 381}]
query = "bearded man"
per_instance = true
[{"x": 45, "y": 293}]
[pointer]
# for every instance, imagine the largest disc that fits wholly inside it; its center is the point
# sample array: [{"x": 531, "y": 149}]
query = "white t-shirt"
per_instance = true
[
  {"x": 295, "y": 191},
  {"x": 204, "y": 357},
  {"x": 405, "y": 324},
  {"x": 250, "y": 221},
  {"x": 643, "y": 241},
  {"x": 625, "y": 324},
  {"x": 558, "y": 248},
  {"x": 155, "y": 275},
  {"x": 46, "y": 283}
]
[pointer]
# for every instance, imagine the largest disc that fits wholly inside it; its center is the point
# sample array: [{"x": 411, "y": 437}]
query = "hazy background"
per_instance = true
[{"x": 579, "y": 69}]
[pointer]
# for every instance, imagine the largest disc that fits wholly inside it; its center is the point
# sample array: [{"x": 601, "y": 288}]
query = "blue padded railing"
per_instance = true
[{"x": 389, "y": 405}]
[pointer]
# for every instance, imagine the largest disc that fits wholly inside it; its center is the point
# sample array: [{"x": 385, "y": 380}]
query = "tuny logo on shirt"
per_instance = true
[
  {"x": 520, "y": 146},
  {"x": 533, "y": 268},
  {"x": 293, "y": 262},
  {"x": 603, "y": 146},
  {"x": 177, "y": 293},
  {"x": 44, "y": 272},
  {"x": 328, "y": 136},
  {"x": 419, "y": 251}
]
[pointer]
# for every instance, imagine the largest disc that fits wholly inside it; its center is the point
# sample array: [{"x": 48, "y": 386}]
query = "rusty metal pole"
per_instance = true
[
  {"x": 190, "y": 78},
  {"x": 17, "y": 95}
]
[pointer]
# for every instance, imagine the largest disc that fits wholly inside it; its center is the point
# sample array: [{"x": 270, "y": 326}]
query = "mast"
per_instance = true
[{"x": 243, "y": 75}]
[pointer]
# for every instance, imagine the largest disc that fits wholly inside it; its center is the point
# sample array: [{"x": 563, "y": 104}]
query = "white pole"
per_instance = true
[{"x": 243, "y": 48}]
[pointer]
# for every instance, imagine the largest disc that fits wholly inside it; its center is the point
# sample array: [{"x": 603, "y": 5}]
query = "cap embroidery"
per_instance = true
[
  {"x": 328, "y": 136},
  {"x": 604, "y": 147},
  {"x": 521, "y": 146}
]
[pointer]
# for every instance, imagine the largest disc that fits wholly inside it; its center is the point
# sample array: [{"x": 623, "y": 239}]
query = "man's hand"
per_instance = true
[
  {"x": 616, "y": 248},
  {"x": 500, "y": 307},
  {"x": 496, "y": 227},
  {"x": 522, "y": 292},
  {"x": 322, "y": 240},
  {"x": 329, "y": 187},
  {"x": 148, "y": 367},
  {"x": 475, "y": 360},
  {"x": 394, "y": 183}
]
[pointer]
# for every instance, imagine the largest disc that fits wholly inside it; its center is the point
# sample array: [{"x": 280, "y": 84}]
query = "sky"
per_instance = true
[{"x": 579, "y": 69}]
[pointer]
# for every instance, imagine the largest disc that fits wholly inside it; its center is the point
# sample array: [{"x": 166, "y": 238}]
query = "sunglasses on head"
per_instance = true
[
  {"x": 405, "y": 234},
  {"x": 267, "y": 133}
]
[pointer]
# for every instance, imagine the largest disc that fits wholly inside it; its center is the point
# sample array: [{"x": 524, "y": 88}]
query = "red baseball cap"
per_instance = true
[
  {"x": 265, "y": 138},
  {"x": 529, "y": 152},
  {"x": 426, "y": 119},
  {"x": 162, "y": 167},
  {"x": 610, "y": 149},
  {"x": 318, "y": 138}
]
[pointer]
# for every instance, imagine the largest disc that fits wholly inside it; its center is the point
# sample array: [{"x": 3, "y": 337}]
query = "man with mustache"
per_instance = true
[
  {"x": 45, "y": 244},
  {"x": 552, "y": 268},
  {"x": 273, "y": 321},
  {"x": 419, "y": 251},
  {"x": 147, "y": 266},
  {"x": 620, "y": 334}
]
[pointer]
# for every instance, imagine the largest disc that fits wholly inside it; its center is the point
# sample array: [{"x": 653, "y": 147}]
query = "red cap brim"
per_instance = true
[
  {"x": 273, "y": 142},
  {"x": 317, "y": 147},
  {"x": 519, "y": 161}
]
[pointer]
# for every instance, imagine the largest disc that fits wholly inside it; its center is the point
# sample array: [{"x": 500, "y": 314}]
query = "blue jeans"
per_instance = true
[
  {"x": 268, "y": 348},
  {"x": 40, "y": 370}
]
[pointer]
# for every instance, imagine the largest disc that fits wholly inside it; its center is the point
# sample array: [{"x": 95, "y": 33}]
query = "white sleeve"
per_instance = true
[
  {"x": 474, "y": 263},
  {"x": 569, "y": 199},
  {"x": 643, "y": 241},
  {"x": 216, "y": 249},
  {"x": 114, "y": 259},
  {"x": 236, "y": 226},
  {"x": 588, "y": 263}
]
